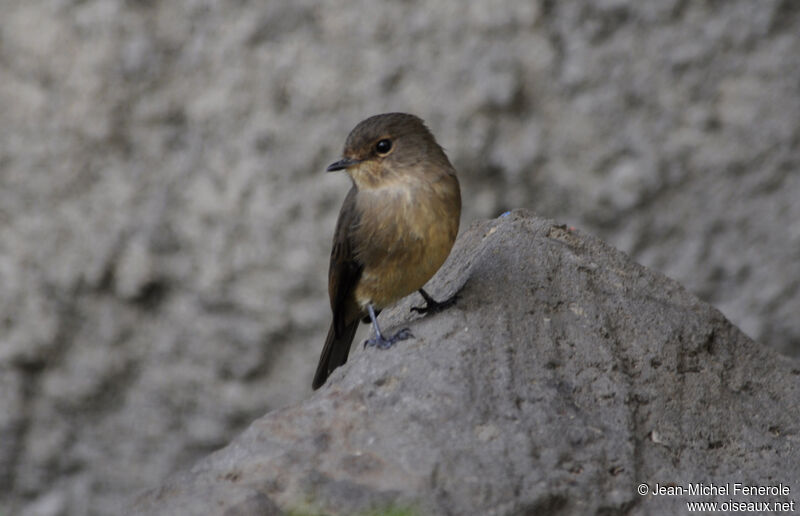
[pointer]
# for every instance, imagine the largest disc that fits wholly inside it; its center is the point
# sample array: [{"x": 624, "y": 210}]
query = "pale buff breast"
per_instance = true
[{"x": 406, "y": 239}]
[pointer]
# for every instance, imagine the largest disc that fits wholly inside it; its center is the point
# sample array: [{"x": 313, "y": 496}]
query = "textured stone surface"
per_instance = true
[
  {"x": 565, "y": 376},
  {"x": 165, "y": 222}
]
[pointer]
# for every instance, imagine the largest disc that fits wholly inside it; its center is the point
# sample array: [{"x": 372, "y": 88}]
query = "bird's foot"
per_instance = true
[
  {"x": 432, "y": 306},
  {"x": 380, "y": 342}
]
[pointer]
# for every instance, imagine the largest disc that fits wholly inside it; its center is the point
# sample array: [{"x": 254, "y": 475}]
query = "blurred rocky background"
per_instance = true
[{"x": 165, "y": 220}]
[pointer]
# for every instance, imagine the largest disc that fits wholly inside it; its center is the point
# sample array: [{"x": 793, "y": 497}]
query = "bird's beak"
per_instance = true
[{"x": 342, "y": 164}]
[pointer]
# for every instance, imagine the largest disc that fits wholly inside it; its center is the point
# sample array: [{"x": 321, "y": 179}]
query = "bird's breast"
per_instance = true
[{"x": 405, "y": 234}]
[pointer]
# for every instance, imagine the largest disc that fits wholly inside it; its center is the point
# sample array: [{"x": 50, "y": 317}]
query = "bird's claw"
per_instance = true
[
  {"x": 434, "y": 307},
  {"x": 383, "y": 343}
]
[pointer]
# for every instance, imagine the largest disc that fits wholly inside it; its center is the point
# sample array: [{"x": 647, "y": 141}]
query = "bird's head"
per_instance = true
[{"x": 383, "y": 148}]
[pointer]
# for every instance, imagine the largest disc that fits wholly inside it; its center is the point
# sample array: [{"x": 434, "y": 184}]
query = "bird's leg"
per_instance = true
[
  {"x": 379, "y": 341},
  {"x": 431, "y": 305}
]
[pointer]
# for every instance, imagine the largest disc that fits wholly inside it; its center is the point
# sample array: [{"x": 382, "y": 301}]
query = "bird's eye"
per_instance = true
[{"x": 383, "y": 146}]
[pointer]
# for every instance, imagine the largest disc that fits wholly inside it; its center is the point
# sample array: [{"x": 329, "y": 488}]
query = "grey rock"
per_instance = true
[{"x": 564, "y": 377}]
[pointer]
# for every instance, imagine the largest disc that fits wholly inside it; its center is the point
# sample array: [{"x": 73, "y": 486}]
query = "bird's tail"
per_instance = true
[{"x": 334, "y": 353}]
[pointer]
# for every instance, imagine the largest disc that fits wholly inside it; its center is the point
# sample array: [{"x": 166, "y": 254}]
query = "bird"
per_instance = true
[{"x": 395, "y": 229}]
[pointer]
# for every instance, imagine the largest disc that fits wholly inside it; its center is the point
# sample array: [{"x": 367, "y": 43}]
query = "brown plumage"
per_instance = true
[{"x": 395, "y": 229}]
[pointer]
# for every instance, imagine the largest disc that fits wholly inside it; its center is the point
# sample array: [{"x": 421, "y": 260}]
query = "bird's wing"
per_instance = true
[{"x": 345, "y": 270}]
